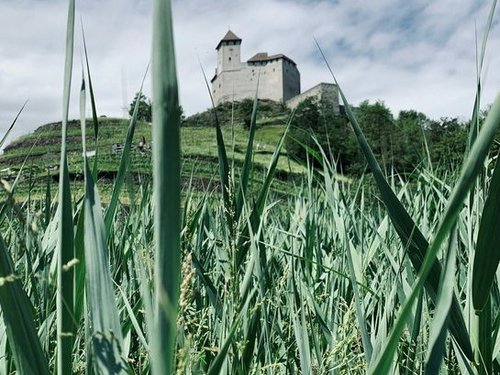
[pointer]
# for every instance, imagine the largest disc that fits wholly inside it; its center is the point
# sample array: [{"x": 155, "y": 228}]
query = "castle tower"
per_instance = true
[
  {"x": 234, "y": 80},
  {"x": 228, "y": 53}
]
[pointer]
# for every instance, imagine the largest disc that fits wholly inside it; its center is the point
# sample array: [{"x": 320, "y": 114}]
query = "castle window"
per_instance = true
[{"x": 229, "y": 59}]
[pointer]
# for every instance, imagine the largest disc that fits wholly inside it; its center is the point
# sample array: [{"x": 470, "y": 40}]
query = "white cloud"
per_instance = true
[{"x": 418, "y": 54}]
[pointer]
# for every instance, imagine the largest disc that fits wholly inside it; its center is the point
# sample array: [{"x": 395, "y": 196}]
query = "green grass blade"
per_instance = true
[
  {"x": 477, "y": 102},
  {"x": 216, "y": 366},
  {"x": 2, "y": 141},
  {"x": 124, "y": 163},
  {"x": 296, "y": 306},
  {"x": 222, "y": 155},
  {"x": 410, "y": 234},
  {"x": 487, "y": 256},
  {"x": 470, "y": 171},
  {"x": 66, "y": 327},
  {"x": 92, "y": 106},
  {"x": 104, "y": 322},
  {"x": 79, "y": 289},
  {"x": 258, "y": 209},
  {"x": 106, "y": 335},
  {"x": 166, "y": 179},
  {"x": 18, "y": 318},
  {"x": 48, "y": 200},
  {"x": 439, "y": 325},
  {"x": 484, "y": 339},
  {"x": 247, "y": 164}
]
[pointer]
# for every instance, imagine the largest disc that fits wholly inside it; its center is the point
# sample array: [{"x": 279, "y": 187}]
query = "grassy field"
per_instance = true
[
  {"x": 36, "y": 155},
  {"x": 377, "y": 276}
]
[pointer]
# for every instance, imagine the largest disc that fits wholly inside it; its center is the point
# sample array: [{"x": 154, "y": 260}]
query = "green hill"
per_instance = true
[{"x": 39, "y": 150}]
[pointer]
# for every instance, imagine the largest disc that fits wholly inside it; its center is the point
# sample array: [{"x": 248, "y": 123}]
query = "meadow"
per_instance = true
[{"x": 378, "y": 275}]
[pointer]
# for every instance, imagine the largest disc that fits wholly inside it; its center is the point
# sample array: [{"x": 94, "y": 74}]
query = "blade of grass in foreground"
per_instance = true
[
  {"x": 247, "y": 164},
  {"x": 2, "y": 141},
  {"x": 258, "y": 208},
  {"x": 485, "y": 265},
  {"x": 18, "y": 317},
  {"x": 438, "y": 329},
  {"x": 487, "y": 256},
  {"x": 470, "y": 170},
  {"x": 104, "y": 322},
  {"x": 222, "y": 155},
  {"x": 409, "y": 233},
  {"x": 65, "y": 274},
  {"x": 474, "y": 129},
  {"x": 92, "y": 105},
  {"x": 124, "y": 163},
  {"x": 166, "y": 185}
]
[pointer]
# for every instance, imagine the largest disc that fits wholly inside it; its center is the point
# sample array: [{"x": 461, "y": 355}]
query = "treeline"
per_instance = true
[{"x": 400, "y": 143}]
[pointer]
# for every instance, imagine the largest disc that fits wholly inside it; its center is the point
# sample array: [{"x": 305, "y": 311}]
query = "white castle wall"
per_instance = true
[{"x": 279, "y": 78}]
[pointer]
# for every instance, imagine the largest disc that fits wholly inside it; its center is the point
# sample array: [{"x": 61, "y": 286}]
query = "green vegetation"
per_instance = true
[
  {"x": 379, "y": 275},
  {"x": 401, "y": 144},
  {"x": 144, "y": 111},
  {"x": 39, "y": 152}
]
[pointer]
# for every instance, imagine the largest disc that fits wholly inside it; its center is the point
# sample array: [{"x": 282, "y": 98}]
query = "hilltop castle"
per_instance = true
[{"x": 279, "y": 78}]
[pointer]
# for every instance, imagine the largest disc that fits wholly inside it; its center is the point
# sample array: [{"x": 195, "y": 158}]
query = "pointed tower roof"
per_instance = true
[{"x": 229, "y": 37}]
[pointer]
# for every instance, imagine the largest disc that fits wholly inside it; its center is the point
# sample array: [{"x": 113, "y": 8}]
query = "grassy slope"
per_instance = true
[{"x": 41, "y": 148}]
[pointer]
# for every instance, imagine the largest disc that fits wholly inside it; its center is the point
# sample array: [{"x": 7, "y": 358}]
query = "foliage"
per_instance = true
[
  {"x": 400, "y": 144},
  {"x": 316, "y": 127},
  {"x": 341, "y": 277},
  {"x": 144, "y": 112},
  {"x": 447, "y": 139},
  {"x": 238, "y": 113}
]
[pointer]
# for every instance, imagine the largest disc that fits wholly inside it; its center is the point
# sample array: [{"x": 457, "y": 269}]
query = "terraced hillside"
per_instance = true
[{"x": 36, "y": 154}]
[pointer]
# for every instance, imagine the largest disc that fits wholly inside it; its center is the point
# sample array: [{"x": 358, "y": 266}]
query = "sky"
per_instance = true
[{"x": 410, "y": 54}]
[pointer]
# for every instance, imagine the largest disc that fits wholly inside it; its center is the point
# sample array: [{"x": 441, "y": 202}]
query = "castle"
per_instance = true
[{"x": 278, "y": 76}]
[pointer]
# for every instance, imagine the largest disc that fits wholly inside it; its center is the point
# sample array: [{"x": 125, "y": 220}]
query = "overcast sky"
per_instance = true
[{"x": 411, "y": 54}]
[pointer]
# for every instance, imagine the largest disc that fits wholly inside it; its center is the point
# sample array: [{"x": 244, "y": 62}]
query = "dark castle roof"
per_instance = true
[
  {"x": 229, "y": 37},
  {"x": 263, "y": 56}
]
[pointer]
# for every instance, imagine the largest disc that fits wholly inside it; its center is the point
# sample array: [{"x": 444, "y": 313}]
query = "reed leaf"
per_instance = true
[
  {"x": 409, "y": 233},
  {"x": 487, "y": 256},
  {"x": 92, "y": 106},
  {"x": 103, "y": 319},
  {"x": 66, "y": 326},
  {"x": 470, "y": 170},
  {"x": 11, "y": 126},
  {"x": 247, "y": 164},
  {"x": 166, "y": 189},
  {"x": 222, "y": 155},
  {"x": 474, "y": 129},
  {"x": 124, "y": 163},
  {"x": 18, "y": 319},
  {"x": 439, "y": 325}
]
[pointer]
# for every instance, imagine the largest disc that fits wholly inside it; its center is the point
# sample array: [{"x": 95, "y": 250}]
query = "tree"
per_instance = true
[
  {"x": 447, "y": 142},
  {"x": 144, "y": 112},
  {"x": 302, "y": 129},
  {"x": 378, "y": 125},
  {"x": 411, "y": 143},
  {"x": 246, "y": 109},
  {"x": 316, "y": 127}
]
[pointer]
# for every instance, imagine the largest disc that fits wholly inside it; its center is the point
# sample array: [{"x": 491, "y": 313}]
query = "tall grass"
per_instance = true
[
  {"x": 341, "y": 278},
  {"x": 166, "y": 192}
]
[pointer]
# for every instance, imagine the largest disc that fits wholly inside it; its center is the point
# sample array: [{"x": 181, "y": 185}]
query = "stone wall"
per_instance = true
[{"x": 323, "y": 91}]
